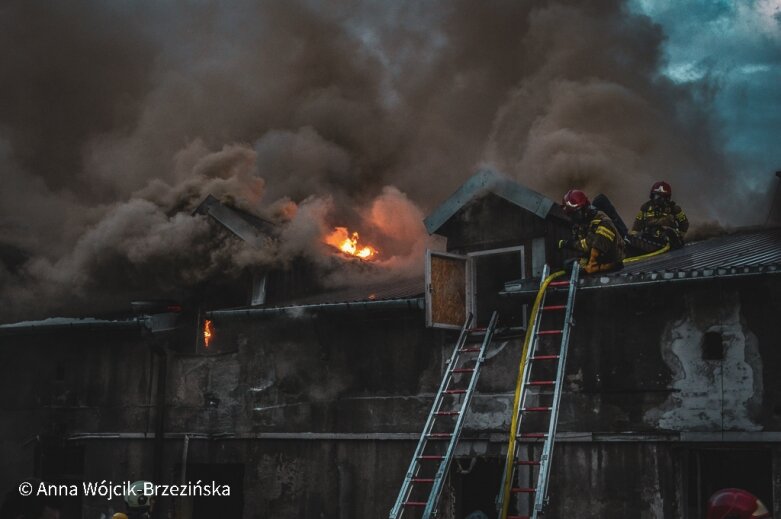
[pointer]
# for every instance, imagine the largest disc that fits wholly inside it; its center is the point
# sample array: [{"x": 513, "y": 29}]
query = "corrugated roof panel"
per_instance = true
[
  {"x": 395, "y": 289},
  {"x": 741, "y": 252}
]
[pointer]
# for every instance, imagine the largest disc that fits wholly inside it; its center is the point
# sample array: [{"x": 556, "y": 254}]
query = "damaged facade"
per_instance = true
[{"x": 312, "y": 407}]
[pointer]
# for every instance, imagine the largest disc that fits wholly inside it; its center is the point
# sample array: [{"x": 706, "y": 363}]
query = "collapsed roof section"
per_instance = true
[{"x": 247, "y": 227}]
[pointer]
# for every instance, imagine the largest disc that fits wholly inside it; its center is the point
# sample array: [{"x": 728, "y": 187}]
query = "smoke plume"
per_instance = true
[{"x": 118, "y": 118}]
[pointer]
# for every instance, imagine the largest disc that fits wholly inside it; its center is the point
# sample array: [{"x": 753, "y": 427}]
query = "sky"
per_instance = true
[
  {"x": 118, "y": 117},
  {"x": 734, "y": 48}
]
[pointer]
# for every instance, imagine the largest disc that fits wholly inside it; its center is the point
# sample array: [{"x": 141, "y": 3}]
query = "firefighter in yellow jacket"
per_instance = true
[
  {"x": 659, "y": 221},
  {"x": 595, "y": 236}
]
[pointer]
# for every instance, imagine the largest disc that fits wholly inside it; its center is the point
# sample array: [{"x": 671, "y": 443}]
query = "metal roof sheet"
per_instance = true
[
  {"x": 386, "y": 290},
  {"x": 742, "y": 252},
  {"x": 488, "y": 181},
  {"x": 247, "y": 227}
]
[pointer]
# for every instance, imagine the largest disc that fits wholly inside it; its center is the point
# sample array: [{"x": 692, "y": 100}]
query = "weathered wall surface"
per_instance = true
[
  {"x": 635, "y": 366},
  {"x": 636, "y": 361}
]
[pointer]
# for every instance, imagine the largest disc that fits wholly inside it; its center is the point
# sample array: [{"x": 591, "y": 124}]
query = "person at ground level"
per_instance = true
[
  {"x": 660, "y": 221},
  {"x": 735, "y": 503},
  {"x": 139, "y": 505},
  {"x": 594, "y": 235}
]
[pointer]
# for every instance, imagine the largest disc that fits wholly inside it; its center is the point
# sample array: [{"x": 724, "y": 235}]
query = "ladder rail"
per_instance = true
[
  {"x": 448, "y": 457},
  {"x": 414, "y": 467},
  {"x": 546, "y": 460},
  {"x": 503, "y": 500}
]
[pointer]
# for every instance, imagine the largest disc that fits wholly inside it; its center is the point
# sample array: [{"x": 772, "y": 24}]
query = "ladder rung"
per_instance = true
[
  {"x": 533, "y": 435},
  {"x": 550, "y": 332},
  {"x": 545, "y": 357},
  {"x": 462, "y": 370},
  {"x": 418, "y": 504},
  {"x": 523, "y": 490},
  {"x": 430, "y": 457},
  {"x": 558, "y": 284},
  {"x": 446, "y": 413},
  {"x": 537, "y": 409},
  {"x": 439, "y": 435},
  {"x": 554, "y": 307},
  {"x": 478, "y": 329},
  {"x": 455, "y": 391},
  {"x": 528, "y": 462},
  {"x": 468, "y": 350},
  {"x": 542, "y": 383},
  {"x": 422, "y": 480}
]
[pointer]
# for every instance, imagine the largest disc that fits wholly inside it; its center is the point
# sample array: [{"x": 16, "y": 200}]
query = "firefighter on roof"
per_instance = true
[
  {"x": 595, "y": 236},
  {"x": 734, "y": 503},
  {"x": 659, "y": 221}
]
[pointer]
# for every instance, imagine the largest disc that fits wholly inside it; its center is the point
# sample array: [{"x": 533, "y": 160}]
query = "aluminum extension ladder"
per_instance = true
[
  {"x": 428, "y": 469},
  {"x": 538, "y": 394}
]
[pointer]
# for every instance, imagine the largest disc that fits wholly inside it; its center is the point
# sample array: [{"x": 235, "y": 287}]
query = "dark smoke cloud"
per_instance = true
[{"x": 117, "y": 118}]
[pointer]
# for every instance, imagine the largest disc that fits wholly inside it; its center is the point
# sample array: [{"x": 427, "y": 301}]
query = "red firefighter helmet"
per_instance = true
[
  {"x": 574, "y": 200},
  {"x": 734, "y": 503},
  {"x": 662, "y": 189}
]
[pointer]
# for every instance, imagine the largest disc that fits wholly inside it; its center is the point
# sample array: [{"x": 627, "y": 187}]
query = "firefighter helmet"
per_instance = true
[
  {"x": 735, "y": 503},
  {"x": 139, "y": 496},
  {"x": 575, "y": 200},
  {"x": 661, "y": 189}
]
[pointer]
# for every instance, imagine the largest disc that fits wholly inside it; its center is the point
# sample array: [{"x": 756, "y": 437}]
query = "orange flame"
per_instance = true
[
  {"x": 208, "y": 331},
  {"x": 348, "y": 244}
]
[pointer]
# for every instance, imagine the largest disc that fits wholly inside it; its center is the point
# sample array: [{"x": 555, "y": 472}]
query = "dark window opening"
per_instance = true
[
  {"x": 712, "y": 346},
  {"x": 476, "y": 489},
  {"x": 61, "y": 463},
  {"x": 710, "y": 470},
  {"x": 491, "y": 272}
]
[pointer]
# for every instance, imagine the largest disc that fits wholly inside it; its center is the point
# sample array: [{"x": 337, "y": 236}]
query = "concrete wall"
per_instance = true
[{"x": 637, "y": 386}]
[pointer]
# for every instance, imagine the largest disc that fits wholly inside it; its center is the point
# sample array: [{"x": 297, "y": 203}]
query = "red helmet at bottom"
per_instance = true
[{"x": 734, "y": 503}]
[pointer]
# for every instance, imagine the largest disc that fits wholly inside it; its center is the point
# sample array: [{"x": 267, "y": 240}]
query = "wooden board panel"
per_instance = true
[{"x": 448, "y": 290}]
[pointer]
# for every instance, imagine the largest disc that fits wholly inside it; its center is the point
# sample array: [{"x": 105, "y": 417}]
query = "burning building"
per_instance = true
[{"x": 309, "y": 403}]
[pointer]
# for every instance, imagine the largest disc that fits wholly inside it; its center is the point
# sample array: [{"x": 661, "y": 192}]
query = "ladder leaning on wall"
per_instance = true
[
  {"x": 538, "y": 395},
  {"x": 428, "y": 469}
]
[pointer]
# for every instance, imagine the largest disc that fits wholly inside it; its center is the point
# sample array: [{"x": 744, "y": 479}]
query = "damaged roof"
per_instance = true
[
  {"x": 483, "y": 182},
  {"x": 247, "y": 227}
]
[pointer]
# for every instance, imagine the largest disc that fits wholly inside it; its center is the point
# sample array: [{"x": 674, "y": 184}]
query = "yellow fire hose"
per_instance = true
[
  {"x": 519, "y": 383},
  {"x": 524, "y": 354},
  {"x": 634, "y": 259}
]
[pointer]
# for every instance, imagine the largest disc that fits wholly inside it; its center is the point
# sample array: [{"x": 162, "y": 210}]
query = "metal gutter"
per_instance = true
[
  {"x": 292, "y": 312},
  {"x": 479, "y": 439},
  {"x": 660, "y": 278},
  {"x": 64, "y": 324}
]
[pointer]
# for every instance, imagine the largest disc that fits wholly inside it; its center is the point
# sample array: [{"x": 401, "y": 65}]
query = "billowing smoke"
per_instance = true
[{"x": 118, "y": 118}]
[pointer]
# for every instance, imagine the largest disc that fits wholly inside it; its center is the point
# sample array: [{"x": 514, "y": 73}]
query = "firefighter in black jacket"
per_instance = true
[
  {"x": 595, "y": 237},
  {"x": 659, "y": 221}
]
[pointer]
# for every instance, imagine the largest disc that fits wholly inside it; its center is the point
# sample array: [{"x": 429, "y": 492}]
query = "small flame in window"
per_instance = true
[{"x": 208, "y": 332}]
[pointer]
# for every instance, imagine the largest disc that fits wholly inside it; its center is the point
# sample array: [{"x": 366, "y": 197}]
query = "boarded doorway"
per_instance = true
[
  {"x": 458, "y": 284},
  {"x": 446, "y": 285}
]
